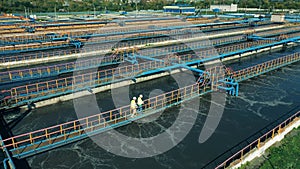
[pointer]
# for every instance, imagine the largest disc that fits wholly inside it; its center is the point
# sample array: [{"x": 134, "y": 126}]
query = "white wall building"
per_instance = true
[
  {"x": 225, "y": 8},
  {"x": 277, "y": 18}
]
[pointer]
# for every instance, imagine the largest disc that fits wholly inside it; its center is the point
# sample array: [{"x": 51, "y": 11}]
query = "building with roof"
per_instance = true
[
  {"x": 225, "y": 8},
  {"x": 179, "y": 9}
]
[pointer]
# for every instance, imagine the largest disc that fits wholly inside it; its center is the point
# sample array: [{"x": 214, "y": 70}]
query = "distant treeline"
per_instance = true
[{"x": 15, "y": 6}]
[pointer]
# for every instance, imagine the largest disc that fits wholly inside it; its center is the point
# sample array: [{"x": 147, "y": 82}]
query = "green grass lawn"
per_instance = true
[{"x": 283, "y": 155}]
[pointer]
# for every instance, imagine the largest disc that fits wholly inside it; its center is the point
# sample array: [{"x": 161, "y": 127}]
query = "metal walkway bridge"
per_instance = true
[
  {"x": 116, "y": 57},
  {"x": 107, "y": 48},
  {"x": 28, "y": 94},
  {"x": 265, "y": 67},
  {"x": 170, "y": 32},
  {"x": 107, "y": 32},
  {"x": 180, "y": 34},
  {"x": 129, "y": 30},
  {"x": 29, "y": 144},
  {"x": 141, "y": 42},
  {"x": 24, "y": 58},
  {"x": 57, "y": 41},
  {"x": 48, "y": 71},
  {"x": 90, "y": 45}
]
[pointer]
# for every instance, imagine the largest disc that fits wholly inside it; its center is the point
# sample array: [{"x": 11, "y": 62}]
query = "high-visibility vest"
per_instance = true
[
  {"x": 132, "y": 104},
  {"x": 140, "y": 101}
]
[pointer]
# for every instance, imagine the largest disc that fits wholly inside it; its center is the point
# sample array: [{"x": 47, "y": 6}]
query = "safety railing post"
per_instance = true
[
  {"x": 65, "y": 136},
  {"x": 61, "y": 129},
  {"x": 242, "y": 154},
  {"x": 46, "y": 133},
  {"x": 13, "y": 143},
  {"x": 110, "y": 115},
  {"x": 30, "y": 138},
  {"x": 279, "y": 129},
  {"x": 87, "y": 122}
]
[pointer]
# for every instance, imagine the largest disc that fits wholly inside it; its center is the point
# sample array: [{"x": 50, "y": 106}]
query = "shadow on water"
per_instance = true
[{"x": 5, "y": 131}]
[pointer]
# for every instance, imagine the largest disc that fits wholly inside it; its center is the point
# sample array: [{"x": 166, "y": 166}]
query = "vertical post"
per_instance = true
[
  {"x": 242, "y": 154},
  {"x": 30, "y": 138},
  {"x": 258, "y": 143},
  {"x": 110, "y": 115},
  {"x": 99, "y": 118},
  {"x": 65, "y": 137},
  {"x": 37, "y": 87},
  {"x": 14, "y": 94},
  {"x": 74, "y": 125},
  {"x": 13, "y": 142},
  {"x": 66, "y": 82},
  {"x": 149, "y": 103},
  {"x": 279, "y": 129},
  {"x": 61, "y": 129},
  {"x": 46, "y": 133},
  {"x": 26, "y": 89}
]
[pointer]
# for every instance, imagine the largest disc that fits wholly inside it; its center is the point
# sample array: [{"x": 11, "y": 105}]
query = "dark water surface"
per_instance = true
[{"x": 261, "y": 101}]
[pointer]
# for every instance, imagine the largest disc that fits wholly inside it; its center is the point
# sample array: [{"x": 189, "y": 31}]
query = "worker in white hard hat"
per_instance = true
[
  {"x": 140, "y": 102},
  {"x": 133, "y": 107}
]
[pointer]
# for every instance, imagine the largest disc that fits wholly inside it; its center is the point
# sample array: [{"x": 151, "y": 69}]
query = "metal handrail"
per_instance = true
[
  {"x": 102, "y": 119},
  {"x": 258, "y": 142}
]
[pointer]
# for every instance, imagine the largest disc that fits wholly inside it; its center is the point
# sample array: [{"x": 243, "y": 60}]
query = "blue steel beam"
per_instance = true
[
  {"x": 91, "y": 35},
  {"x": 263, "y": 37},
  {"x": 192, "y": 69},
  {"x": 8, "y": 157},
  {"x": 6, "y": 79},
  {"x": 160, "y": 29},
  {"x": 222, "y": 56},
  {"x": 36, "y": 76},
  {"x": 6, "y": 52},
  {"x": 93, "y": 132},
  {"x": 255, "y": 37},
  {"x": 149, "y": 72},
  {"x": 43, "y": 25},
  {"x": 164, "y": 29},
  {"x": 148, "y": 58}
]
